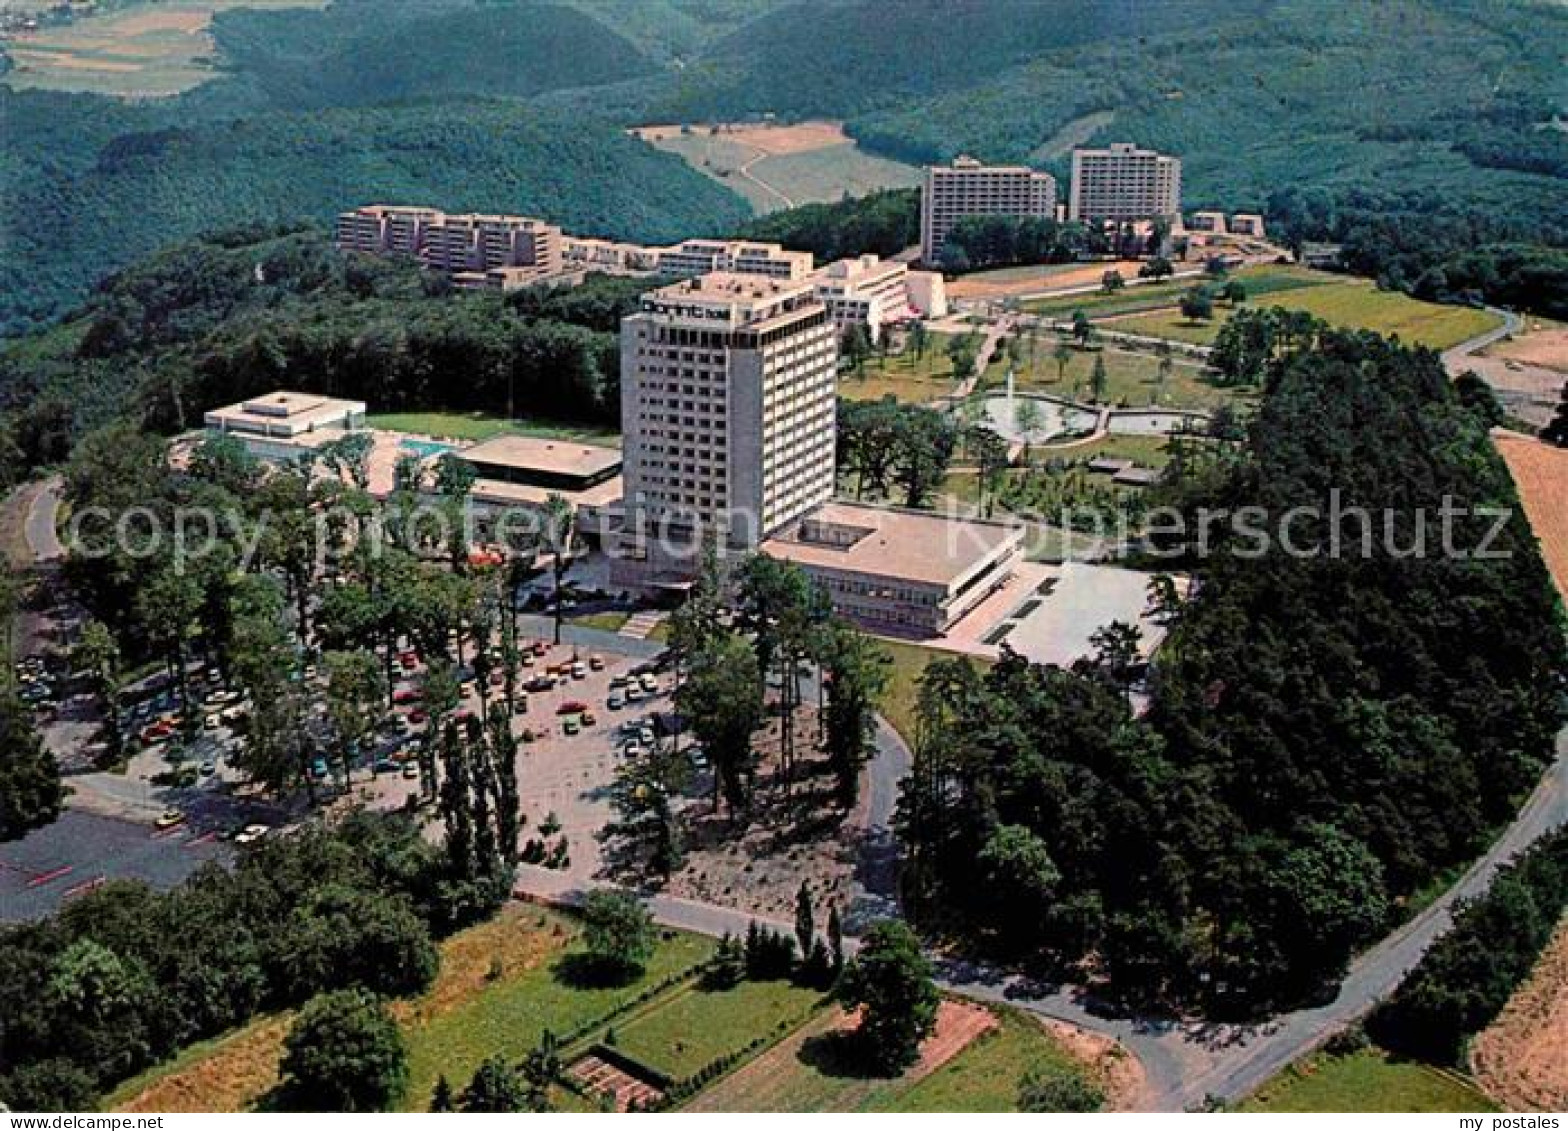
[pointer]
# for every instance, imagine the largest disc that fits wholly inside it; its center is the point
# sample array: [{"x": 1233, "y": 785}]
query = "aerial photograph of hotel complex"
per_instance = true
[{"x": 790, "y": 556}]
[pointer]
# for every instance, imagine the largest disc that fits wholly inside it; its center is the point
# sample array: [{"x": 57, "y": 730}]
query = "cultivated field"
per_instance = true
[
  {"x": 142, "y": 51},
  {"x": 780, "y": 166},
  {"x": 1354, "y": 305},
  {"x": 1146, "y": 297},
  {"x": 1540, "y": 472},
  {"x": 1368, "y": 1080},
  {"x": 1521, "y": 1059}
]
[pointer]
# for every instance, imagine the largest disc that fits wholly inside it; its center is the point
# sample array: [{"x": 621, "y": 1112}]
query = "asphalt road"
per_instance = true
[
  {"x": 1455, "y": 356},
  {"x": 40, "y": 528}
]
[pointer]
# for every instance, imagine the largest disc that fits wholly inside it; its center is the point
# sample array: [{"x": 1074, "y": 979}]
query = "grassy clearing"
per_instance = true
[
  {"x": 698, "y": 1026},
  {"x": 479, "y": 426},
  {"x": 1259, "y": 281},
  {"x": 1132, "y": 378},
  {"x": 607, "y": 622},
  {"x": 499, "y": 988},
  {"x": 141, "y": 50},
  {"x": 1354, "y": 305},
  {"x": 1368, "y": 1080},
  {"x": 1146, "y": 450},
  {"x": 984, "y": 1077},
  {"x": 911, "y": 379},
  {"x": 903, "y": 688}
]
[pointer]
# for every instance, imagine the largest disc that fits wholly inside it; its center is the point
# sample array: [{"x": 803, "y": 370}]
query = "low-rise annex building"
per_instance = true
[
  {"x": 899, "y": 571},
  {"x": 284, "y": 424},
  {"x": 875, "y": 293}
]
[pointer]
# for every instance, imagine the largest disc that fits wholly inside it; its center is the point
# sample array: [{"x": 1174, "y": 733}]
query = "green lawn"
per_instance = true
[
  {"x": 1259, "y": 281},
  {"x": 912, "y": 380},
  {"x": 1132, "y": 377},
  {"x": 697, "y": 1027},
  {"x": 1368, "y": 1080},
  {"x": 903, "y": 688},
  {"x": 984, "y": 1077},
  {"x": 479, "y": 426},
  {"x": 1147, "y": 450},
  {"x": 509, "y": 1017},
  {"x": 607, "y": 622},
  {"x": 1355, "y": 305}
]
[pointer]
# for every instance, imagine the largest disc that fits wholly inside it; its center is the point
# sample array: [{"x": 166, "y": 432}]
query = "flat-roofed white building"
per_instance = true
[
  {"x": 476, "y": 249},
  {"x": 728, "y": 418},
  {"x": 385, "y": 229},
  {"x": 1248, "y": 224},
  {"x": 283, "y": 425},
  {"x": 736, "y": 257},
  {"x": 1122, "y": 182},
  {"x": 875, "y": 293},
  {"x": 900, "y": 571},
  {"x": 967, "y": 188}
]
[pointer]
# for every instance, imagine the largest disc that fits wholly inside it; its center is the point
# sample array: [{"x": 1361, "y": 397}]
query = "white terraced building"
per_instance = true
[{"x": 874, "y": 293}]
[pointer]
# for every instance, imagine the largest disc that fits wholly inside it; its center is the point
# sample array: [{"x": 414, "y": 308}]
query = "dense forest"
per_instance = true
[
  {"x": 521, "y": 106},
  {"x": 215, "y": 320},
  {"x": 1326, "y": 733}
]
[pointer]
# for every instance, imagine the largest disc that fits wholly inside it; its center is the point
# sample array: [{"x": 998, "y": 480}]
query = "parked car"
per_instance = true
[
  {"x": 596, "y": 663},
  {"x": 571, "y": 707},
  {"x": 411, "y": 771},
  {"x": 407, "y": 695},
  {"x": 588, "y": 719},
  {"x": 169, "y": 819},
  {"x": 250, "y": 834},
  {"x": 570, "y": 727},
  {"x": 615, "y": 701},
  {"x": 384, "y": 766},
  {"x": 579, "y": 670},
  {"x": 208, "y": 768}
]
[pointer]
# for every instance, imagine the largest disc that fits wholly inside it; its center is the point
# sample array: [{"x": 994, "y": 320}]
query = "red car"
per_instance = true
[
  {"x": 407, "y": 695},
  {"x": 417, "y": 716},
  {"x": 571, "y": 707}
]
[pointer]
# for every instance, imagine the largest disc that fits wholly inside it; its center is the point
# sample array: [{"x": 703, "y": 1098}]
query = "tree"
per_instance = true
[
  {"x": 836, "y": 940},
  {"x": 1042, "y": 1091},
  {"x": 1018, "y": 862},
  {"x": 344, "y": 1053},
  {"x": 1234, "y": 292},
  {"x": 618, "y": 933},
  {"x": 441, "y": 1099},
  {"x": 919, "y": 339},
  {"x": 963, "y": 352},
  {"x": 990, "y": 454},
  {"x": 1063, "y": 354},
  {"x": 1157, "y": 268},
  {"x": 1477, "y": 396},
  {"x": 32, "y": 794},
  {"x": 560, "y": 535},
  {"x": 354, "y": 692},
  {"x": 497, "y": 1088},
  {"x": 890, "y": 979},
  {"x": 1111, "y": 282},
  {"x": 1197, "y": 304},
  {"x": 805, "y": 919},
  {"x": 855, "y": 345},
  {"x": 1098, "y": 380},
  {"x": 721, "y": 700},
  {"x": 1557, "y": 431},
  {"x": 855, "y": 674},
  {"x": 97, "y": 654},
  {"x": 1083, "y": 329}
]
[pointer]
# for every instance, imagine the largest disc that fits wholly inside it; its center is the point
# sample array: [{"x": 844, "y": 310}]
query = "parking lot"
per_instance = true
[{"x": 567, "y": 765}]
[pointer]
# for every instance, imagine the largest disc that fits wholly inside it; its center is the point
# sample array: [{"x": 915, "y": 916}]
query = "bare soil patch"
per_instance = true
[
  {"x": 1114, "y": 1068},
  {"x": 1547, "y": 348},
  {"x": 1025, "y": 283},
  {"x": 775, "y": 140},
  {"x": 1540, "y": 472},
  {"x": 1521, "y": 1059},
  {"x": 797, "y": 833}
]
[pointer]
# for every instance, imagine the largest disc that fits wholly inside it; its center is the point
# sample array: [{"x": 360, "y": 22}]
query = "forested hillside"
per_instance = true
[
  {"x": 1425, "y": 103},
  {"x": 1329, "y": 731},
  {"x": 220, "y": 319}
]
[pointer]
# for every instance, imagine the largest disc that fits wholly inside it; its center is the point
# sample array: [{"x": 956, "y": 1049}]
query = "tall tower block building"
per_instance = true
[
  {"x": 967, "y": 188},
  {"x": 1123, "y": 182},
  {"x": 727, "y": 414}
]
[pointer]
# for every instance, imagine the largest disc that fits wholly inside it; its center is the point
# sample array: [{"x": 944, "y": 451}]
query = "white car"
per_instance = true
[{"x": 250, "y": 834}]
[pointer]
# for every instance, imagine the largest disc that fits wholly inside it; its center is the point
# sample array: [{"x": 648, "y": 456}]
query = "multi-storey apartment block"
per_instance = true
[
  {"x": 735, "y": 257},
  {"x": 476, "y": 249},
  {"x": 1124, "y": 183},
  {"x": 727, "y": 415},
  {"x": 874, "y": 293},
  {"x": 968, "y": 188}
]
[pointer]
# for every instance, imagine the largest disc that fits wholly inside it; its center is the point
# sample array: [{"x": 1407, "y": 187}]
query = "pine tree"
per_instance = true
[
  {"x": 441, "y": 1098},
  {"x": 836, "y": 939},
  {"x": 805, "y": 920}
]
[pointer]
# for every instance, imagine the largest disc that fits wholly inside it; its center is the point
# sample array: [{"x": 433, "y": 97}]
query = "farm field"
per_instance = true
[
  {"x": 499, "y": 988},
  {"x": 1368, "y": 1080},
  {"x": 141, "y": 51},
  {"x": 1520, "y": 1059},
  {"x": 1540, "y": 473},
  {"x": 984, "y": 1077},
  {"x": 781, "y": 166},
  {"x": 910, "y": 379},
  {"x": 1354, "y": 305},
  {"x": 477, "y": 426}
]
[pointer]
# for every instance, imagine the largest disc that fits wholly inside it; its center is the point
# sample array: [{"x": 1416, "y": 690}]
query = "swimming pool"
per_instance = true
[{"x": 425, "y": 449}]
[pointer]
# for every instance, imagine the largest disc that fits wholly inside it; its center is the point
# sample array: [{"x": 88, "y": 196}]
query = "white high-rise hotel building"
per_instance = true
[
  {"x": 967, "y": 188},
  {"x": 1123, "y": 182},
  {"x": 727, "y": 414}
]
